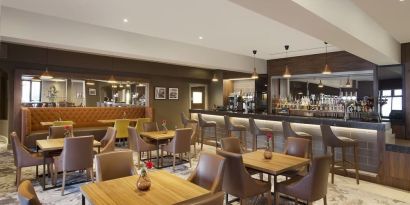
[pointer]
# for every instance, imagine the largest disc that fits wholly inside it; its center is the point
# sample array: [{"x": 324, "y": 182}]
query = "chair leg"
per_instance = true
[
  {"x": 63, "y": 183},
  {"x": 173, "y": 162},
  {"x": 216, "y": 139},
  {"x": 344, "y": 160},
  {"x": 36, "y": 171},
  {"x": 139, "y": 159},
  {"x": 195, "y": 150},
  {"x": 296, "y": 201},
  {"x": 226, "y": 199},
  {"x": 356, "y": 166},
  {"x": 202, "y": 138},
  {"x": 333, "y": 164},
  {"x": 189, "y": 159},
  {"x": 254, "y": 142},
  {"x": 325, "y": 200},
  {"x": 162, "y": 158},
  {"x": 18, "y": 176},
  {"x": 92, "y": 174}
]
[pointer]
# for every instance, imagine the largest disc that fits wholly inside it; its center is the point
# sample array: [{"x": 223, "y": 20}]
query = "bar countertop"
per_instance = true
[{"x": 300, "y": 119}]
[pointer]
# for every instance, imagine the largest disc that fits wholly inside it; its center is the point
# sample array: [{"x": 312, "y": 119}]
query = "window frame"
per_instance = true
[
  {"x": 390, "y": 98},
  {"x": 31, "y": 90}
]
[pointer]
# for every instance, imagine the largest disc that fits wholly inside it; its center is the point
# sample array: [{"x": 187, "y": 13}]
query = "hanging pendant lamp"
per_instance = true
[
  {"x": 320, "y": 85},
  {"x": 215, "y": 78},
  {"x": 46, "y": 75},
  {"x": 326, "y": 70},
  {"x": 348, "y": 83},
  {"x": 254, "y": 74},
  {"x": 287, "y": 74}
]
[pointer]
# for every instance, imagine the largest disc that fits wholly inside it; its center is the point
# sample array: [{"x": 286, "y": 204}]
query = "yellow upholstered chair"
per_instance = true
[
  {"x": 63, "y": 123},
  {"x": 140, "y": 123},
  {"x": 121, "y": 125}
]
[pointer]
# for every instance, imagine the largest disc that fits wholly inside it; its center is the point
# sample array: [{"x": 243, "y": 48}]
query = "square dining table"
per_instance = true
[
  {"x": 165, "y": 189},
  {"x": 278, "y": 164},
  {"x": 49, "y": 145},
  {"x": 158, "y": 136}
]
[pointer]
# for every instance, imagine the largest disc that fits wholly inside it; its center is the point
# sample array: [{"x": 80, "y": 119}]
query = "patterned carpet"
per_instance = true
[{"x": 343, "y": 192}]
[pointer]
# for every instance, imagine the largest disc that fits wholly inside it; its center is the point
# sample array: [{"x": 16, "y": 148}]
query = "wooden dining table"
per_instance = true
[
  {"x": 112, "y": 121},
  {"x": 51, "y": 145},
  {"x": 158, "y": 137},
  {"x": 277, "y": 165},
  {"x": 166, "y": 189}
]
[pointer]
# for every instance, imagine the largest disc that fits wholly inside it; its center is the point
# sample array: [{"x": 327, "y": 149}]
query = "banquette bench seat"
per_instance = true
[{"x": 85, "y": 119}]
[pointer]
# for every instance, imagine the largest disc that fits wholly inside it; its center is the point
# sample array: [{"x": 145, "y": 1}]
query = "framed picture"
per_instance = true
[
  {"x": 173, "y": 93},
  {"x": 92, "y": 91},
  {"x": 160, "y": 93}
]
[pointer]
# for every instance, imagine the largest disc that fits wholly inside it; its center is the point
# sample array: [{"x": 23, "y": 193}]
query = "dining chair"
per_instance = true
[
  {"x": 55, "y": 132},
  {"x": 209, "y": 172},
  {"x": 202, "y": 123},
  {"x": 114, "y": 165},
  {"x": 230, "y": 126},
  {"x": 63, "y": 123},
  {"x": 207, "y": 199},
  {"x": 139, "y": 126},
  {"x": 311, "y": 187},
  {"x": 108, "y": 141},
  {"x": 121, "y": 125},
  {"x": 25, "y": 158},
  {"x": 181, "y": 143},
  {"x": 289, "y": 132},
  {"x": 186, "y": 121},
  {"x": 238, "y": 182},
  {"x": 150, "y": 126},
  {"x": 136, "y": 143},
  {"x": 77, "y": 154},
  {"x": 26, "y": 194},
  {"x": 297, "y": 147},
  {"x": 232, "y": 144},
  {"x": 258, "y": 131}
]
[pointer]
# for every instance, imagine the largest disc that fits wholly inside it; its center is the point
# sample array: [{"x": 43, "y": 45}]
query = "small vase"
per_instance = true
[
  {"x": 144, "y": 183},
  {"x": 267, "y": 154}
]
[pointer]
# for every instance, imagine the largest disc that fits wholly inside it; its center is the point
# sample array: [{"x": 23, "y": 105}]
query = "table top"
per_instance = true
[
  {"x": 275, "y": 166},
  {"x": 111, "y": 121},
  {"x": 49, "y": 123},
  {"x": 165, "y": 189},
  {"x": 56, "y": 144},
  {"x": 159, "y": 135}
]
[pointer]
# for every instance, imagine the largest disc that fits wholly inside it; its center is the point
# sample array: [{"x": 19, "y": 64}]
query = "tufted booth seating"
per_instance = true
[{"x": 85, "y": 119}]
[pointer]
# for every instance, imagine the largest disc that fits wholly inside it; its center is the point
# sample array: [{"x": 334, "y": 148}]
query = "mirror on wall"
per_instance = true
[{"x": 390, "y": 79}]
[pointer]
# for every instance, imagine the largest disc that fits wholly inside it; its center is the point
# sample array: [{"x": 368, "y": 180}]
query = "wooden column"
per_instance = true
[{"x": 405, "y": 59}]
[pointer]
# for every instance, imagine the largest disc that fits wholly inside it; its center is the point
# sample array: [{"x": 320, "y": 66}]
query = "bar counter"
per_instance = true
[{"x": 371, "y": 135}]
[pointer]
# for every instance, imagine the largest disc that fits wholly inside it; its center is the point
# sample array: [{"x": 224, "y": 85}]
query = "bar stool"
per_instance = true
[
  {"x": 204, "y": 124},
  {"x": 229, "y": 127},
  {"x": 333, "y": 141},
  {"x": 256, "y": 131},
  {"x": 186, "y": 121},
  {"x": 288, "y": 132}
]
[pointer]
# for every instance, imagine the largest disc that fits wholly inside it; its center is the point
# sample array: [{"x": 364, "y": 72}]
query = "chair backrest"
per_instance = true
[
  {"x": 296, "y": 146},
  {"x": 329, "y": 138},
  {"x": 20, "y": 154},
  {"x": 231, "y": 144},
  {"x": 114, "y": 165},
  {"x": 26, "y": 194},
  {"x": 209, "y": 172},
  {"x": 121, "y": 125},
  {"x": 55, "y": 132},
  {"x": 228, "y": 123},
  {"x": 77, "y": 153},
  {"x": 287, "y": 130},
  {"x": 108, "y": 142},
  {"x": 184, "y": 119},
  {"x": 207, "y": 199},
  {"x": 253, "y": 127},
  {"x": 150, "y": 126},
  {"x": 201, "y": 120},
  {"x": 63, "y": 123},
  {"x": 182, "y": 141},
  {"x": 135, "y": 142},
  {"x": 140, "y": 121}
]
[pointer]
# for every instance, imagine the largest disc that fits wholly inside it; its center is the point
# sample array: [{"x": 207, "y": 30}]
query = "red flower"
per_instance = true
[
  {"x": 269, "y": 135},
  {"x": 67, "y": 127},
  {"x": 149, "y": 165},
  {"x": 164, "y": 121}
]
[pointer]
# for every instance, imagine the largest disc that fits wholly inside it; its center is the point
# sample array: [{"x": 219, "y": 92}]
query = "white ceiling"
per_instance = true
[
  {"x": 224, "y": 25},
  {"x": 392, "y": 15}
]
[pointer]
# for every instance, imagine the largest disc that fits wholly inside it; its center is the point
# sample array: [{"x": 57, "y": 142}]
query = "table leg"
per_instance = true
[
  {"x": 157, "y": 153},
  {"x": 82, "y": 199},
  {"x": 99, "y": 149},
  {"x": 44, "y": 170},
  {"x": 275, "y": 187}
]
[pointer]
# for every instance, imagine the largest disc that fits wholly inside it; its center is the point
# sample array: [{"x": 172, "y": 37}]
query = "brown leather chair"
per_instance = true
[
  {"x": 24, "y": 158},
  {"x": 150, "y": 126},
  {"x": 311, "y": 187},
  {"x": 114, "y": 165},
  {"x": 256, "y": 131},
  {"x": 238, "y": 182},
  {"x": 297, "y": 147},
  {"x": 288, "y": 132},
  {"x": 181, "y": 143},
  {"x": 231, "y": 144},
  {"x": 207, "y": 199},
  {"x": 136, "y": 143},
  {"x": 191, "y": 123},
  {"x": 229, "y": 127},
  {"x": 209, "y": 172},
  {"x": 27, "y": 195},
  {"x": 108, "y": 142},
  {"x": 206, "y": 124},
  {"x": 55, "y": 132},
  {"x": 333, "y": 141},
  {"x": 77, "y": 154}
]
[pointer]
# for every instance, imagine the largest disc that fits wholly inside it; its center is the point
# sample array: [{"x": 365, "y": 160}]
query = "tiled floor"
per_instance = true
[{"x": 343, "y": 192}]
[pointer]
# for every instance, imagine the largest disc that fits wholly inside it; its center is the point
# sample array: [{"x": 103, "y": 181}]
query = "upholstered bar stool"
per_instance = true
[
  {"x": 257, "y": 131},
  {"x": 186, "y": 121},
  {"x": 206, "y": 124},
  {"x": 229, "y": 127},
  {"x": 333, "y": 141},
  {"x": 288, "y": 132}
]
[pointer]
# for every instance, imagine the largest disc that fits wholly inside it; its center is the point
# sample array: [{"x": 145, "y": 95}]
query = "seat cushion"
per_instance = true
[
  {"x": 209, "y": 124},
  {"x": 304, "y": 135},
  {"x": 238, "y": 128},
  {"x": 346, "y": 140}
]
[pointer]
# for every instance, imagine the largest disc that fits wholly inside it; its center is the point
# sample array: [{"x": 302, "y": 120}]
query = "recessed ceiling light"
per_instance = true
[
  {"x": 402, "y": 0},
  {"x": 125, "y": 20},
  {"x": 200, "y": 37}
]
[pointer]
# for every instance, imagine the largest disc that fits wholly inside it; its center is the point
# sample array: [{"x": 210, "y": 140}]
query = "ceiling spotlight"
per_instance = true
[
  {"x": 125, "y": 20},
  {"x": 402, "y": 0},
  {"x": 90, "y": 83},
  {"x": 215, "y": 78},
  {"x": 200, "y": 37}
]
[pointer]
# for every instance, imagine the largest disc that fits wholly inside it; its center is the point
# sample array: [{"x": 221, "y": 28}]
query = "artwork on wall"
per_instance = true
[
  {"x": 92, "y": 91},
  {"x": 160, "y": 93},
  {"x": 173, "y": 93}
]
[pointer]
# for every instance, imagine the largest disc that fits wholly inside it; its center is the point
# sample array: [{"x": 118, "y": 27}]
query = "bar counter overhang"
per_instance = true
[{"x": 371, "y": 135}]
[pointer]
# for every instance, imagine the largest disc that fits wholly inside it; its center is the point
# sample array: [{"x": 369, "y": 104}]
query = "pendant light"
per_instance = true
[
  {"x": 254, "y": 74},
  {"x": 287, "y": 74},
  {"x": 46, "y": 75},
  {"x": 348, "y": 83},
  {"x": 112, "y": 80},
  {"x": 320, "y": 84},
  {"x": 36, "y": 79},
  {"x": 215, "y": 78},
  {"x": 326, "y": 70}
]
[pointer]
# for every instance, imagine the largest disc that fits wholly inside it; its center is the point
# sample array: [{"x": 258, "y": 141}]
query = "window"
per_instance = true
[
  {"x": 197, "y": 97},
  {"x": 394, "y": 101},
  {"x": 31, "y": 91}
]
